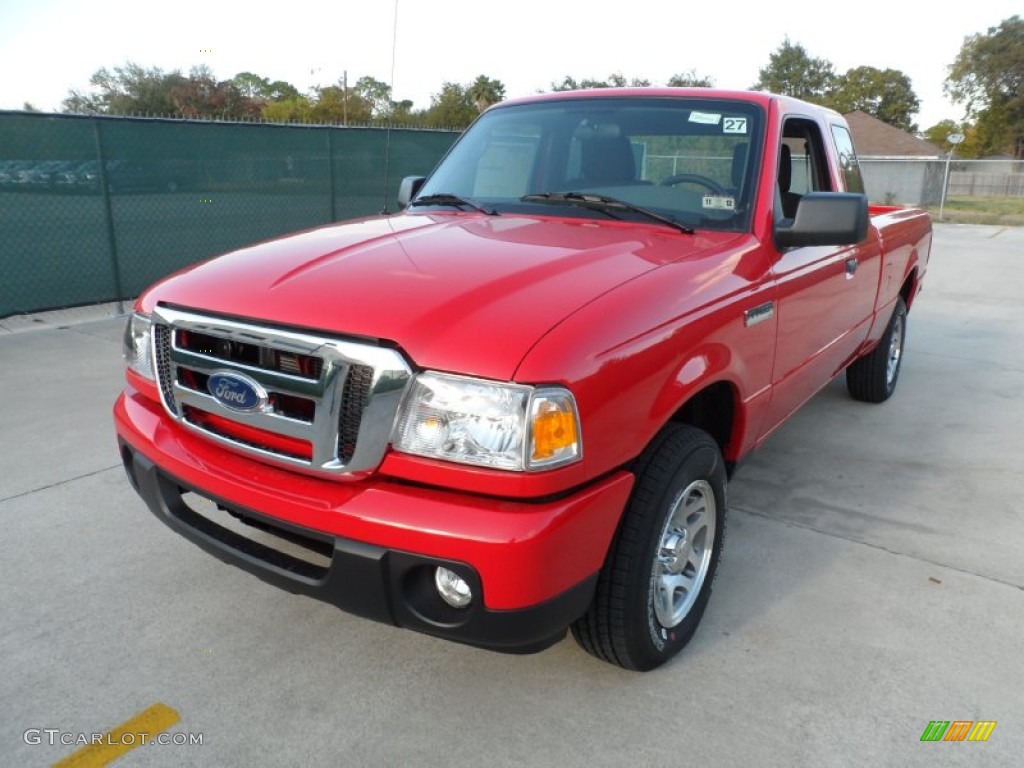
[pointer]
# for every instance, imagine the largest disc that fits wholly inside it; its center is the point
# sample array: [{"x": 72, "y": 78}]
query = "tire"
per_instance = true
[
  {"x": 657, "y": 578},
  {"x": 872, "y": 378}
]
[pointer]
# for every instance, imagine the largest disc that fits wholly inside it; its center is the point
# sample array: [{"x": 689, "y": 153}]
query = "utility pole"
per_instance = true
[{"x": 344, "y": 98}]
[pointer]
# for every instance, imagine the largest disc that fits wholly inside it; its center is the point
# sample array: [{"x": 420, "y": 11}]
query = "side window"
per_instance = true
[
  {"x": 847, "y": 159},
  {"x": 803, "y": 164}
]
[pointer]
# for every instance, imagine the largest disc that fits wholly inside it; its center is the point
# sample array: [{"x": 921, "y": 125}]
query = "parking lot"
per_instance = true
[{"x": 872, "y": 582}]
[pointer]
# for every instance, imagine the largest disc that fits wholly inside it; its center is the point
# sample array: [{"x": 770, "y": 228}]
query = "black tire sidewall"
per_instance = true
[
  {"x": 652, "y": 644},
  {"x": 899, "y": 312}
]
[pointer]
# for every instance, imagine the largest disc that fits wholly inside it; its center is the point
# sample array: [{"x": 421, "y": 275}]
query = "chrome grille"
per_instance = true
[
  {"x": 162, "y": 352},
  {"x": 330, "y": 404},
  {"x": 357, "y": 395}
]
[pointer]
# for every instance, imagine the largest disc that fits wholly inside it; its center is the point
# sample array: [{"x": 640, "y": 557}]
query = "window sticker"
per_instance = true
[
  {"x": 734, "y": 125},
  {"x": 720, "y": 202},
  {"x": 705, "y": 118}
]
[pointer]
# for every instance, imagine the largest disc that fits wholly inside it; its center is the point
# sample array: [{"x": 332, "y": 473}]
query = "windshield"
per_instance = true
[{"x": 690, "y": 160}]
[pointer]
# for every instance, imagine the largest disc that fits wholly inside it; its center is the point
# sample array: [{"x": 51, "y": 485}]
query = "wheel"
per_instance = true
[
  {"x": 694, "y": 178},
  {"x": 657, "y": 577},
  {"x": 872, "y": 378}
]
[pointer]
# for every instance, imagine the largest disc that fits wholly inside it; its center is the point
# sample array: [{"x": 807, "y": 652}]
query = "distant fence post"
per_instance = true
[
  {"x": 330, "y": 166},
  {"x": 115, "y": 264}
]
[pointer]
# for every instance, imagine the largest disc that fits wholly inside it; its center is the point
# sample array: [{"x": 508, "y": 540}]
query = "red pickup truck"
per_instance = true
[{"x": 512, "y": 408}]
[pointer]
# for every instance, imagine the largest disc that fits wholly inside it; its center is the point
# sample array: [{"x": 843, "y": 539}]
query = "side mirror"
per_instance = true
[
  {"x": 408, "y": 189},
  {"x": 825, "y": 218}
]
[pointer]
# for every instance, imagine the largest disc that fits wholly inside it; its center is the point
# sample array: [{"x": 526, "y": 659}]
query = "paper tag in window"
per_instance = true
[
  {"x": 720, "y": 202},
  {"x": 734, "y": 125},
  {"x": 705, "y": 118}
]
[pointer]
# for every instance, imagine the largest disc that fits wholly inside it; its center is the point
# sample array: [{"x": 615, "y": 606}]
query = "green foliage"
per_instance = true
[
  {"x": 132, "y": 89},
  {"x": 452, "y": 107},
  {"x": 987, "y": 77},
  {"x": 484, "y": 92},
  {"x": 260, "y": 88},
  {"x": 615, "y": 80},
  {"x": 295, "y": 109},
  {"x": 202, "y": 95},
  {"x": 791, "y": 71},
  {"x": 887, "y": 95},
  {"x": 690, "y": 79},
  {"x": 374, "y": 97},
  {"x": 884, "y": 94},
  {"x": 939, "y": 133}
]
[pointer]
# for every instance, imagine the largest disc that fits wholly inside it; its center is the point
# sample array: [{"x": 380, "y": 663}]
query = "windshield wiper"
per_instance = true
[
  {"x": 446, "y": 198},
  {"x": 603, "y": 203}
]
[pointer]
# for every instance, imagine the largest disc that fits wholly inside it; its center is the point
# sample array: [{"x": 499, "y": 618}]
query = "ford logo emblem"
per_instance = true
[{"x": 237, "y": 391}]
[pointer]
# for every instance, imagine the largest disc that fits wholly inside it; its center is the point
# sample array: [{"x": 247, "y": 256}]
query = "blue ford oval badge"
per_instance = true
[{"x": 237, "y": 391}]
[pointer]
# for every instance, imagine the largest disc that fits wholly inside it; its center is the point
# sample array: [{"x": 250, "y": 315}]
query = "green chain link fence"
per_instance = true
[{"x": 94, "y": 209}]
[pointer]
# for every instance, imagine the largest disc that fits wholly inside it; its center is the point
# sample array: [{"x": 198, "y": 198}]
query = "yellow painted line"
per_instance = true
[{"x": 124, "y": 738}]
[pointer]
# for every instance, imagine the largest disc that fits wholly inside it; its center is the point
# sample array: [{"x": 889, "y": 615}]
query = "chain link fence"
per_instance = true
[
  {"x": 918, "y": 181},
  {"x": 94, "y": 209}
]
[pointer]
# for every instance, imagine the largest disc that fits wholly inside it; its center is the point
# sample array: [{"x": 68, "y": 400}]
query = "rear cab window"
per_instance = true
[{"x": 850, "y": 168}]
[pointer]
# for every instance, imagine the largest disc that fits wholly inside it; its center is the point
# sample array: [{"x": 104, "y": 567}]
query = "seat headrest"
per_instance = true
[
  {"x": 604, "y": 159},
  {"x": 785, "y": 169},
  {"x": 739, "y": 161}
]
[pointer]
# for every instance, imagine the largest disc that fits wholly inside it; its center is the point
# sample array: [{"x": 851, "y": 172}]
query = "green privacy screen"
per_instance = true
[{"x": 96, "y": 208}]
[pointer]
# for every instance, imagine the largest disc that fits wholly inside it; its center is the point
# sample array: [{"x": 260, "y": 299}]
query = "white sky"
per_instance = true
[{"x": 50, "y": 46}]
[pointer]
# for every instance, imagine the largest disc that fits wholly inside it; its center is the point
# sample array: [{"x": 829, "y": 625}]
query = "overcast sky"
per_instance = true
[{"x": 50, "y": 46}]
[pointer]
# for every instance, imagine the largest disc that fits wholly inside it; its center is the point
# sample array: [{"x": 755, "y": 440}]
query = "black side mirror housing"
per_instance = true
[
  {"x": 825, "y": 218},
  {"x": 408, "y": 189}
]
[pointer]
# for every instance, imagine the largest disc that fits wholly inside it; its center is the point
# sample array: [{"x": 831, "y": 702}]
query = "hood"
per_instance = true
[{"x": 460, "y": 292}]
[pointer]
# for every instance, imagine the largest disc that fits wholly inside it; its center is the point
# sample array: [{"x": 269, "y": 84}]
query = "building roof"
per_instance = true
[{"x": 873, "y": 138}]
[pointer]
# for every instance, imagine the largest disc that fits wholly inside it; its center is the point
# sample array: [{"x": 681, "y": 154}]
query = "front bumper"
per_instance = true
[{"x": 532, "y": 565}]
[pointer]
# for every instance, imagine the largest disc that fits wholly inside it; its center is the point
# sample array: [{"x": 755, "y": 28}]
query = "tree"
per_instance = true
[
  {"x": 484, "y": 92},
  {"x": 202, "y": 95},
  {"x": 258, "y": 88},
  {"x": 452, "y": 107},
  {"x": 374, "y": 97},
  {"x": 939, "y": 134},
  {"x": 130, "y": 89},
  {"x": 615, "y": 80},
  {"x": 792, "y": 72},
  {"x": 987, "y": 77},
  {"x": 884, "y": 94},
  {"x": 297, "y": 108},
  {"x": 690, "y": 79}
]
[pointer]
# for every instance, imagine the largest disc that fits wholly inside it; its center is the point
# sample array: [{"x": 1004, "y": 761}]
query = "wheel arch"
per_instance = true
[
  {"x": 716, "y": 409},
  {"x": 910, "y": 286}
]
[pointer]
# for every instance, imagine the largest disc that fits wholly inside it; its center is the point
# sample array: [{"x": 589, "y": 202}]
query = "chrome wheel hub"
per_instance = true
[
  {"x": 684, "y": 553},
  {"x": 895, "y": 351}
]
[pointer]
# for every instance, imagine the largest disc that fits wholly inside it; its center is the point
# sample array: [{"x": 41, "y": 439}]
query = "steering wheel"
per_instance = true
[{"x": 694, "y": 178}]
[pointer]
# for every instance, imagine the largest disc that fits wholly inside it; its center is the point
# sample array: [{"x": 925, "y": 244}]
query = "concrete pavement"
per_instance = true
[{"x": 873, "y": 581}]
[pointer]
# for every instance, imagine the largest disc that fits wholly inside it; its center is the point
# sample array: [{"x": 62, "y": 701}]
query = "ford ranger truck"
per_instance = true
[{"x": 512, "y": 408}]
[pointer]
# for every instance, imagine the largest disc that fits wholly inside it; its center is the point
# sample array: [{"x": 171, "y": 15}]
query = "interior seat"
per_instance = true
[{"x": 790, "y": 200}]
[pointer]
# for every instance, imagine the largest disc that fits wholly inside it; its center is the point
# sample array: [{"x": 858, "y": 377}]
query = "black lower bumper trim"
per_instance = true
[{"x": 391, "y": 586}]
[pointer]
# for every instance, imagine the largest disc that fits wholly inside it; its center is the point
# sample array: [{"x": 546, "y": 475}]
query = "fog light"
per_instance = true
[{"x": 453, "y": 588}]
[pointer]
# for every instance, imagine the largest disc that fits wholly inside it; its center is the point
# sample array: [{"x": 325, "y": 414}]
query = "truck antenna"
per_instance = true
[{"x": 391, "y": 117}]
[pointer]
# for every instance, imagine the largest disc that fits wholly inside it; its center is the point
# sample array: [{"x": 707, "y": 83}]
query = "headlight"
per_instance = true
[
  {"x": 473, "y": 421},
  {"x": 137, "y": 354}
]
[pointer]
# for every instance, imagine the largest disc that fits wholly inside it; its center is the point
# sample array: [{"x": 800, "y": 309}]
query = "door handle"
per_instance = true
[{"x": 851, "y": 267}]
